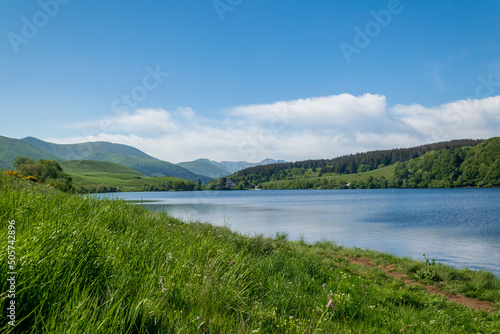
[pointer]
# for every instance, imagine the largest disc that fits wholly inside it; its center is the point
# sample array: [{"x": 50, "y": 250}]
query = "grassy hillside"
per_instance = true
[
  {"x": 330, "y": 181},
  {"x": 102, "y": 266},
  {"x": 85, "y": 151},
  {"x": 11, "y": 148},
  {"x": 152, "y": 167},
  {"x": 106, "y": 176},
  {"x": 85, "y": 166},
  {"x": 122, "y": 154},
  {"x": 458, "y": 166},
  {"x": 348, "y": 164},
  {"x": 205, "y": 167}
]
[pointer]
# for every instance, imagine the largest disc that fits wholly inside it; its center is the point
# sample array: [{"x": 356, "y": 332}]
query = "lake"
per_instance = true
[{"x": 457, "y": 227}]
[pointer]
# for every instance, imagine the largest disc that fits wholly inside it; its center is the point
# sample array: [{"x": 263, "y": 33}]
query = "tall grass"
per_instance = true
[{"x": 103, "y": 266}]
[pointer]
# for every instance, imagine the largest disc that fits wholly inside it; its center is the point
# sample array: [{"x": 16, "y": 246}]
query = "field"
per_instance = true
[
  {"x": 104, "y": 266},
  {"x": 328, "y": 181},
  {"x": 108, "y": 174}
]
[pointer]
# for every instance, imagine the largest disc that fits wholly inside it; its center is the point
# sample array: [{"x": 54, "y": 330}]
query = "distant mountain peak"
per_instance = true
[
  {"x": 216, "y": 169},
  {"x": 269, "y": 161}
]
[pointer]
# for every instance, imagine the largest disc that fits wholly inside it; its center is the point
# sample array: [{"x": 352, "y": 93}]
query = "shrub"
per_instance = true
[
  {"x": 43, "y": 171},
  {"x": 30, "y": 178},
  {"x": 11, "y": 173}
]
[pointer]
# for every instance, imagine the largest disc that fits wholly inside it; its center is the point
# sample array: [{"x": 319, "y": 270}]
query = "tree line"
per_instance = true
[
  {"x": 347, "y": 164},
  {"x": 477, "y": 166}
]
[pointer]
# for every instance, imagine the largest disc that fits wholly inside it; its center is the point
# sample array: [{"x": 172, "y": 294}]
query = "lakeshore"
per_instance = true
[
  {"x": 108, "y": 266},
  {"x": 457, "y": 227}
]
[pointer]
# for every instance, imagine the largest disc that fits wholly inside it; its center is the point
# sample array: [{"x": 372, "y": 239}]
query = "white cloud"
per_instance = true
[
  {"x": 320, "y": 127},
  {"x": 458, "y": 119},
  {"x": 333, "y": 111},
  {"x": 148, "y": 121}
]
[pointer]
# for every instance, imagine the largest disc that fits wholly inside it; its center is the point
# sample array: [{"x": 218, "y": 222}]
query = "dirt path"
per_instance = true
[{"x": 391, "y": 271}]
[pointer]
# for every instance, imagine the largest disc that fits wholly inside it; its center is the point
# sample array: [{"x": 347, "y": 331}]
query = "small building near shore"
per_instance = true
[{"x": 231, "y": 184}]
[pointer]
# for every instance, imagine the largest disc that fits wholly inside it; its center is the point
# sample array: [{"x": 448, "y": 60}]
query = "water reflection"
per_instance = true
[{"x": 458, "y": 227}]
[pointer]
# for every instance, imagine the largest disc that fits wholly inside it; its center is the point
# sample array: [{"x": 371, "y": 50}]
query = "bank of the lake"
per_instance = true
[
  {"x": 104, "y": 266},
  {"x": 458, "y": 227}
]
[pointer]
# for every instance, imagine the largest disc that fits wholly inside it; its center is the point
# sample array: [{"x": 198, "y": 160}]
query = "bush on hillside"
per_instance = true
[
  {"x": 11, "y": 173},
  {"x": 43, "y": 171}
]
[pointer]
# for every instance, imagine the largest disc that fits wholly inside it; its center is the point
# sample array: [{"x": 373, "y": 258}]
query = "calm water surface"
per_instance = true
[{"x": 458, "y": 227}]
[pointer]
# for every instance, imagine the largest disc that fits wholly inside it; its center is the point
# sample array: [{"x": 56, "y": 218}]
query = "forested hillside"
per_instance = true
[
  {"x": 477, "y": 166},
  {"x": 348, "y": 164}
]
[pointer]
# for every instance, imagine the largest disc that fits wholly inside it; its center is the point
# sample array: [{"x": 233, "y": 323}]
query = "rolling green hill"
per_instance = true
[
  {"x": 103, "y": 176},
  {"x": 122, "y": 154},
  {"x": 85, "y": 151},
  {"x": 11, "y": 148},
  {"x": 86, "y": 166},
  {"x": 205, "y": 167},
  {"x": 153, "y": 167}
]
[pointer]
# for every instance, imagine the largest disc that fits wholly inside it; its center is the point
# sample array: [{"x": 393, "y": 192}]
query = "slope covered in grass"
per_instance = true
[
  {"x": 377, "y": 178},
  {"x": 103, "y": 176},
  {"x": 11, "y": 148},
  {"x": 122, "y": 154},
  {"x": 102, "y": 266},
  {"x": 85, "y": 150},
  {"x": 86, "y": 166}
]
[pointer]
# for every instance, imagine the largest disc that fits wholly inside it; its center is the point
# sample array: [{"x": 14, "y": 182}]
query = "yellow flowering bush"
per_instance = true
[
  {"x": 11, "y": 173},
  {"x": 30, "y": 178}
]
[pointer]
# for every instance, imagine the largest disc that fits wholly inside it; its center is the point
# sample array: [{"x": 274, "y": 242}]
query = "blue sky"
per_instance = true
[{"x": 246, "y": 80}]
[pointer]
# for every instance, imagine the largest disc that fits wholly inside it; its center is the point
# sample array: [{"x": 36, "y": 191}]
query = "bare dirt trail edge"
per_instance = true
[{"x": 391, "y": 271}]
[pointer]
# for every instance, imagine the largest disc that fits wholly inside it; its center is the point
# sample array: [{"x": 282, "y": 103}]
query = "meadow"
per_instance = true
[
  {"x": 103, "y": 266},
  {"x": 102, "y": 176},
  {"x": 368, "y": 179}
]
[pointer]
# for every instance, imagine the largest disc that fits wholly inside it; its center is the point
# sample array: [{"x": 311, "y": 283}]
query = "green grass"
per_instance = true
[
  {"x": 109, "y": 174},
  {"x": 387, "y": 172},
  {"x": 322, "y": 181},
  {"x": 124, "y": 182},
  {"x": 83, "y": 166},
  {"x": 481, "y": 285},
  {"x": 103, "y": 266}
]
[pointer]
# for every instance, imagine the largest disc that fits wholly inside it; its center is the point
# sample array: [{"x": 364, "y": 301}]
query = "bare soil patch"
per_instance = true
[{"x": 391, "y": 271}]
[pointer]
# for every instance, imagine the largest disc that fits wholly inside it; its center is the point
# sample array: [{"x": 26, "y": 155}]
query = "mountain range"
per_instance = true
[
  {"x": 201, "y": 169},
  {"x": 216, "y": 169}
]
